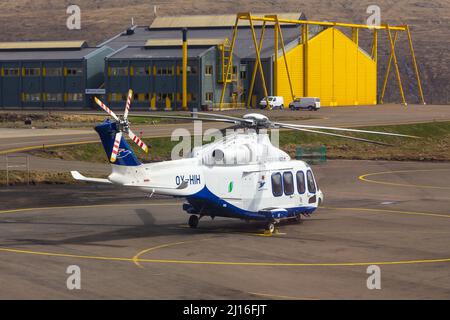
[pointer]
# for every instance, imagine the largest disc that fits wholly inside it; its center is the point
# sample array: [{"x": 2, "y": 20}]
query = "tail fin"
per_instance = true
[{"x": 107, "y": 132}]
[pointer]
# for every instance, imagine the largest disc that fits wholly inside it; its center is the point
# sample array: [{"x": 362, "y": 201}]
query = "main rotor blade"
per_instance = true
[
  {"x": 335, "y": 135},
  {"x": 104, "y": 107},
  {"x": 116, "y": 146},
  {"x": 185, "y": 118},
  {"x": 223, "y": 116},
  {"x": 127, "y": 106},
  {"x": 345, "y": 129},
  {"x": 138, "y": 141}
]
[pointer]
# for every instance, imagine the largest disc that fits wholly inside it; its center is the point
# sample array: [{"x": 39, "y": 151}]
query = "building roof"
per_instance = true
[
  {"x": 209, "y": 21},
  {"x": 40, "y": 55},
  {"x": 171, "y": 42},
  {"x": 143, "y": 53},
  {"x": 43, "y": 45},
  {"x": 244, "y": 47}
]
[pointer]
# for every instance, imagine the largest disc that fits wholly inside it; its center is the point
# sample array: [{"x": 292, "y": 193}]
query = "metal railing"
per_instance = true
[{"x": 16, "y": 163}]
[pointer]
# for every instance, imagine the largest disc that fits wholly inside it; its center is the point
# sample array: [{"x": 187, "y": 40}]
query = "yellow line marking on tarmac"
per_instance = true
[
  {"x": 136, "y": 259},
  {"x": 364, "y": 178},
  {"x": 430, "y": 214},
  {"x": 278, "y": 296},
  {"x": 89, "y": 206},
  {"x": 228, "y": 263},
  {"x": 47, "y": 146},
  {"x": 30, "y": 148}
]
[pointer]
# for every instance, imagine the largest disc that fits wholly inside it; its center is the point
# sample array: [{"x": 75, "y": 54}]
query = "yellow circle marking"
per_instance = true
[
  {"x": 226, "y": 263},
  {"x": 138, "y": 260},
  {"x": 364, "y": 178},
  {"x": 430, "y": 214}
]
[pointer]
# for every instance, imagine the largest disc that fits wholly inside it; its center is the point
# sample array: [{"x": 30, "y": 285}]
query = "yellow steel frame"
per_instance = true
[
  {"x": 255, "y": 69},
  {"x": 305, "y": 23},
  {"x": 388, "y": 69},
  {"x": 416, "y": 69}
]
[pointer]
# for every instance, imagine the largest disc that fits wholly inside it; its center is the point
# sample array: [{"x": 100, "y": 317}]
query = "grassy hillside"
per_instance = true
[{"x": 430, "y": 22}]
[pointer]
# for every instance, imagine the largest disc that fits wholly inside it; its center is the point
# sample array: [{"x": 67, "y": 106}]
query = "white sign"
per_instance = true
[{"x": 95, "y": 91}]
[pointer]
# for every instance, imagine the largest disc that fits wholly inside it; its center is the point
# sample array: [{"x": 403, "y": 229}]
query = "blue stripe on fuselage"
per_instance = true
[{"x": 212, "y": 205}]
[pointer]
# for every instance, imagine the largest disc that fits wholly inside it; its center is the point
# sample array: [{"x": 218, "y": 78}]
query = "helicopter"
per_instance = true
[{"x": 242, "y": 175}]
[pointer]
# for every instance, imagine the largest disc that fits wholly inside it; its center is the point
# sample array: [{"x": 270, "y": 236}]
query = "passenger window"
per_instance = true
[
  {"x": 301, "y": 188},
  {"x": 311, "y": 183},
  {"x": 277, "y": 188},
  {"x": 288, "y": 183}
]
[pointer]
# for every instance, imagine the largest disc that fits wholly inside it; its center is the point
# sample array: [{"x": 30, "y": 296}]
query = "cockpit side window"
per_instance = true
[
  {"x": 301, "y": 187},
  {"x": 288, "y": 183},
  {"x": 311, "y": 182},
  {"x": 277, "y": 186}
]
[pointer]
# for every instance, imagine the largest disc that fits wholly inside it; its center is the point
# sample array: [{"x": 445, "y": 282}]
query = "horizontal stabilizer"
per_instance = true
[
  {"x": 78, "y": 176},
  {"x": 182, "y": 186}
]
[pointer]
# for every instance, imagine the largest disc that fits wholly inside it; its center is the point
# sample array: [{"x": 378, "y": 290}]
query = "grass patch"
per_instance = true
[
  {"x": 433, "y": 146},
  {"x": 39, "y": 177}
]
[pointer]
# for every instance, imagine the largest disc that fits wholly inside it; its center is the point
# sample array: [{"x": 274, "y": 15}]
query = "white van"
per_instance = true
[
  {"x": 305, "y": 103},
  {"x": 275, "y": 102}
]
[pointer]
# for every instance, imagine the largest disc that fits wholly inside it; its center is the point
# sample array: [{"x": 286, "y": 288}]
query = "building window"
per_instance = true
[
  {"x": 141, "y": 71},
  {"x": 31, "y": 72},
  {"x": 53, "y": 72},
  {"x": 209, "y": 97},
  {"x": 31, "y": 97},
  {"x": 53, "y": 97},
  {"x": 119, "y": 71},
  {"x": 141, "y": 97},
  {"x": 75, "y": 97},
  {"x": 301, "y": 188},
  {"x": 163, "y": 96},
  {"x": 234, "y": 73},
  {"x": 208, "y": 70},
  {"x": 243, "y": 71},
  {"x": 74, "y": 71},
  {"x": 11, "y": 72},
  {"x": 165, "y": 71},
  {"x": 119, "y": 97},
  {"x": 311, "y": 182},
  {"x": 288, "y": 183},
  {"x": 277, "y": 187},
  {"x": 192, "y": 97},
  {"x": 191, "y": 69}
]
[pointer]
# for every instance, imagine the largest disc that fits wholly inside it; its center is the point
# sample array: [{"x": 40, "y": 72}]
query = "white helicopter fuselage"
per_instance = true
[{"x": 242, "y": 176}]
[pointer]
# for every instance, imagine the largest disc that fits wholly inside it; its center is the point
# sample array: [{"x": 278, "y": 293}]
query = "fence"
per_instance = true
[
  {"x": 312, "y": 155},
  {"x": 16, "y": 163}
]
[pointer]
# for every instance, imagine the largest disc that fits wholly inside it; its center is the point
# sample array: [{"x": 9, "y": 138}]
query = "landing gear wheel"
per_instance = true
[
  {"x": 270, "y": 227},
  {"x": 298, "y": 218},
  {"x": 193, "y": 221}
]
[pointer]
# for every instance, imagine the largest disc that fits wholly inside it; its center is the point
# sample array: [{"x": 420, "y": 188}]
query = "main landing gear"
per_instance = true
[{"x": 193, "y": 221}]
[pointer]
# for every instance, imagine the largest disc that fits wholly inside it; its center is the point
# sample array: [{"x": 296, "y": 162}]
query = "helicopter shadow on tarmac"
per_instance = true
[{"x": 148, "y": 229}]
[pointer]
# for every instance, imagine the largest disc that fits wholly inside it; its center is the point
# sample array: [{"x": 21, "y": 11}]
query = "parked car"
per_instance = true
[
  {"x": 275, "y": 102},
  {"x": 305, "y": 103}
]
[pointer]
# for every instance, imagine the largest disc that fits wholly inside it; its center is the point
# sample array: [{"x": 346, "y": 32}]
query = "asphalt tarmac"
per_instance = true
[{"x": 394, "y": 215}]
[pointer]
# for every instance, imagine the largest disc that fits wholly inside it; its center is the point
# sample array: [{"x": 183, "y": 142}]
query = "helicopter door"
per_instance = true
[
  {"x": 247, "y": 191},
  {"x": 312, "y": 188},
  {"x": 301, "y": 187}
]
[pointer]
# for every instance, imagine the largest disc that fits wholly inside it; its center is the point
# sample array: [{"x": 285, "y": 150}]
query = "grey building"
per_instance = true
[
  {"x": 46, "y": 75},
  {"x": 148, "y": 60}
]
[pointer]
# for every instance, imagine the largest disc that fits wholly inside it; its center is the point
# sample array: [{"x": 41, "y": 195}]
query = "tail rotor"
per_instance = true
[{"x": 123, "y": 125}]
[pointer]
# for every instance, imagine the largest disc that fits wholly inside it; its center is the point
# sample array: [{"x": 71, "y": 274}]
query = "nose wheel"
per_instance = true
[
  {"x": 193, "y": 221},
  {"x": 270, "y": 227}
]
